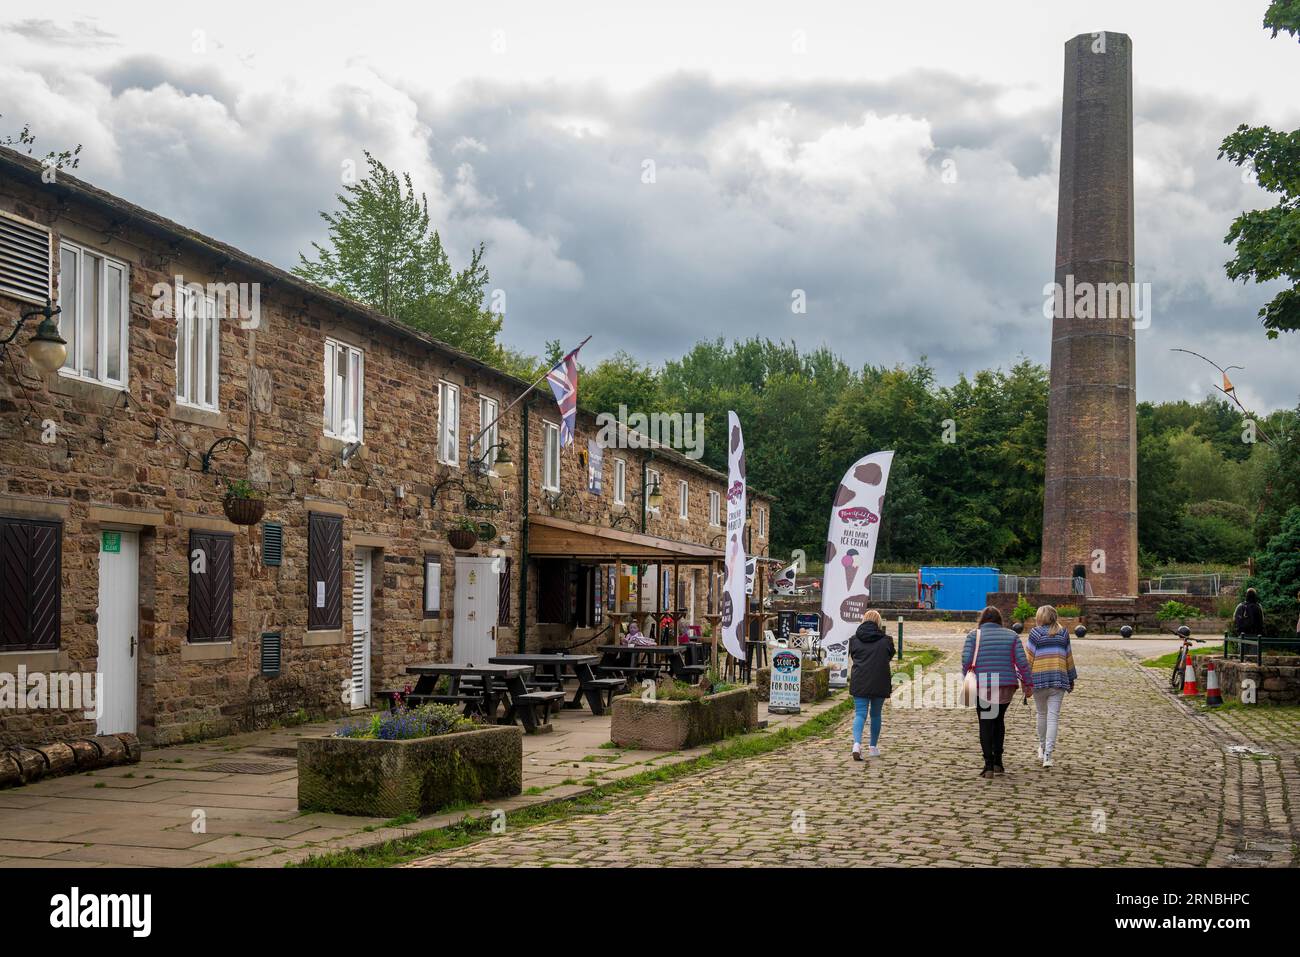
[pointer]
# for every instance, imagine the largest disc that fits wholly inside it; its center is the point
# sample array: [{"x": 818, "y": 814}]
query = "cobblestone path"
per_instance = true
[{"x": 1137, "y": 782}]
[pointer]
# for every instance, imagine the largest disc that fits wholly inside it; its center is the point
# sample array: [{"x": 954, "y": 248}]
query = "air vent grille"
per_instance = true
[
  {"x": 272, "y": 543},
  {"x": 24, "y": 260},
  {"x": 271, "y": 654}
]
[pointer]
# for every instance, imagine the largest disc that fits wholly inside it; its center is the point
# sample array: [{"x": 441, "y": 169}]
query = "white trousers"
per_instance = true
[{"x": 1048, "y": 702}]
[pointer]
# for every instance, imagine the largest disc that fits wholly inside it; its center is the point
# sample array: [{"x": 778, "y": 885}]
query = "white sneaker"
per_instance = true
[
  {"x": 1040, "y": 752},
  {"x": 875, "y": 752},
  {"x": 1047, "y": 761}
]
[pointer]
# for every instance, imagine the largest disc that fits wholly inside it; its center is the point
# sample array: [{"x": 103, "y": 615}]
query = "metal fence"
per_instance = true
[
  {"x": 893, "y": 587},
  {"x": 1037, "y": 585},
  {"x": 1208, "y": 584}
]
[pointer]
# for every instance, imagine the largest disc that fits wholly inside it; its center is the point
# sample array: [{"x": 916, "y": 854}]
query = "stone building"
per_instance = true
[{"x": 117, "y": 559}]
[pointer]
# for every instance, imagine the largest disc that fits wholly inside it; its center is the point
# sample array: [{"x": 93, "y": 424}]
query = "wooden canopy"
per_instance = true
[{"x": 551, "y": 537}]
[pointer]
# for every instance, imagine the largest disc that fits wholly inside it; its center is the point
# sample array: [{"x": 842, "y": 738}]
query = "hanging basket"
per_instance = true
[
  {"x": 462, "y": 539},
  {"x": 243, "y": 511}
]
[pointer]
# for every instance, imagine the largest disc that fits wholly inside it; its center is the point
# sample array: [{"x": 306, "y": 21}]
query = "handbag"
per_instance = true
[{"x": 970, "y": 683}]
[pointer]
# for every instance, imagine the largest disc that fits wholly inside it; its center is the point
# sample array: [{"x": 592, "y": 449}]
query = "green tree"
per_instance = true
[
  {"x": 1277, "y": 574},
  {"x": 1268, "y": 240},
  {"x": 384, "y": 252},
  {"x": 1162, "y": 501}
]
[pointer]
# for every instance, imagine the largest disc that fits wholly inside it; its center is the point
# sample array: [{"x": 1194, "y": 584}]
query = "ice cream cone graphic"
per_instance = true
[{"x": 850, "y": 562}]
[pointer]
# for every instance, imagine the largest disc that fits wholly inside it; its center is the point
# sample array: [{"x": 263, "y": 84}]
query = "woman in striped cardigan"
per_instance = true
[
  {"x": 1000, "y": 667},
  {"x": 1051, "y": 662}
]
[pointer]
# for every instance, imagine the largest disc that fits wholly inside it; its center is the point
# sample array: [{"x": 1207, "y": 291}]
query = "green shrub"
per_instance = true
[
  {"x": 1068, "y": 611},
  {"x": 1023, "y": 610},
  {"x": 1277, "y": 575},
  {"x": 1214, "y": 538},
  {"x": 1173, "y": 610}
]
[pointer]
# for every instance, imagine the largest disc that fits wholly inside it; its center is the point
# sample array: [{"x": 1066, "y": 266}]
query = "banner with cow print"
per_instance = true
[
  {"x": 733, "y": 596},
  {"x": 850, "y": 553}
]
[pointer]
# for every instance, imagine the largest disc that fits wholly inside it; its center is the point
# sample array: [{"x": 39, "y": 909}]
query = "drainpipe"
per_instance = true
[{"x": 523, "y": 530}]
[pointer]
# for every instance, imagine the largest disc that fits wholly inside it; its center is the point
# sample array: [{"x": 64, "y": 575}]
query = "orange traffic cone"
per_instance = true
[
  {"x": 1189, "y": 679},
  {"x": 1212, "y": 696}
]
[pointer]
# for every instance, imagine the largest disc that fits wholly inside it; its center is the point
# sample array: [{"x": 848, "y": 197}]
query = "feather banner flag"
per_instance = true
[{"x": 850, "y": 555}]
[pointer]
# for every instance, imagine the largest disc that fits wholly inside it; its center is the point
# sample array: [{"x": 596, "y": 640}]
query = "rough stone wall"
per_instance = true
[
  {"x": 133, "y": 459},
  {"x": 1090, "y": 501}
]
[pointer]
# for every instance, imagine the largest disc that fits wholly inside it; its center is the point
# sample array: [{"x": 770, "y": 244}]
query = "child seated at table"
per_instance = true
[{"x": 634, "y": 637}]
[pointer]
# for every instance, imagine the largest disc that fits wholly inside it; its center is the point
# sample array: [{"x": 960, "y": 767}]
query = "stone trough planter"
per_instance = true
[
  {"x": 673, "y": 725},
  {"x": 418, "y": 776},
  {"x": 814, "y": 684}
]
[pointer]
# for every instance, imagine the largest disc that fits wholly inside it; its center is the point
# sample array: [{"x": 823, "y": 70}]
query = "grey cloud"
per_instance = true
[
  {"x": 75, "y": 33},
  {"x": 895, "y": 263}
]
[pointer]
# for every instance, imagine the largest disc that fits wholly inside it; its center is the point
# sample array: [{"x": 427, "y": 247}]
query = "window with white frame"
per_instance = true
[
  {"x": 94, "y": 292},
  {"x": 651, "y": 482},
  {"x": 345, "y": 369},
  {"x": 550, "y": 457},
  {"x": 620, "y": 481},
  {"x": 488, "y": 410},
  {"x": 715, "y": 508},
  {"x": 762, "y": 522},
  {"x": 198, "y": 349},
  {"x": 448, "y": 423},
  {"x": 683, "y": 500}
]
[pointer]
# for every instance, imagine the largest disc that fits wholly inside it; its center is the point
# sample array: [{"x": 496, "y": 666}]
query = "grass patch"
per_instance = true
[
  {"x": 1167, "y": 661},
  {"x": 598, "y": 800}
]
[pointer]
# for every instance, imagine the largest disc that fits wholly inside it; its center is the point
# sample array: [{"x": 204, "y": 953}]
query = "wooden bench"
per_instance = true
[
  {"x": 600, "y": 692},
  {"x": 534, "y": 708}
]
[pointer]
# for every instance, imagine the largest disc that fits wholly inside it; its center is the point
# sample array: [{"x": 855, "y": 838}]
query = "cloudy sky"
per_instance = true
[{"x": 794, "y": 146}]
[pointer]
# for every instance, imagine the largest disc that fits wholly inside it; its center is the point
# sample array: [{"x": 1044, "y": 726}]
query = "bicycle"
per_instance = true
[{"x": 1184, "y": 652}]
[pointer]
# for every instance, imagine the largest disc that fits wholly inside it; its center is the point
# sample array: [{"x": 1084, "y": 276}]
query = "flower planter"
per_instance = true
[
  {"x": 673, "y": 725},
  {"x": 244, "y": 511},
  {"x": 462, "y": 539},
  {"x": 419, "y": 776},
  {"x": 814, "y": 684}
]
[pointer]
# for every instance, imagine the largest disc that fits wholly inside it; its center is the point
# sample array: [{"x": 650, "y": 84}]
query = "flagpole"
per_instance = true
[{"x": 540, "y": 379}]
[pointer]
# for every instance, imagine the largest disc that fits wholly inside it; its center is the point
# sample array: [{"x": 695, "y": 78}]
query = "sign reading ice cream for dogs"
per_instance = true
[{"x": 850, "y": 553}]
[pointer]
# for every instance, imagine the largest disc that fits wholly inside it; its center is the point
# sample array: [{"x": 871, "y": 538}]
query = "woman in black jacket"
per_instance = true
[{"x": 871, "y": 650}]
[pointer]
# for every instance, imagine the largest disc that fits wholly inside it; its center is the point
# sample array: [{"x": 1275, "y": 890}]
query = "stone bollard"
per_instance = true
[
  {"x": 132, "y": 745},
  {"x": 59, "y": 758},
  {"x": 85, "y": 753},
  {"x": 10, "y": 774},
  {"x": 31, "y": 764},
  {"x": 111, "y": 750}
]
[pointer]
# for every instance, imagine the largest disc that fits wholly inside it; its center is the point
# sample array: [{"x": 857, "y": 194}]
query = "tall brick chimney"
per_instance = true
[{"x": 1090, "y": 501}]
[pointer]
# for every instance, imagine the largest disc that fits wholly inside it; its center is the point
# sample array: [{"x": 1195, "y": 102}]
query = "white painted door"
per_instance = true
[
  {"x": 361, "y": 581},
  {"x": 118, "y": 631},
  {"x": 474, "y": 632}
]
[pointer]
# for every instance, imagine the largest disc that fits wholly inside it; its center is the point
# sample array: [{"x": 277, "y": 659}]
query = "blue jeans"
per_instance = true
[{"x": 860, "y": 706}]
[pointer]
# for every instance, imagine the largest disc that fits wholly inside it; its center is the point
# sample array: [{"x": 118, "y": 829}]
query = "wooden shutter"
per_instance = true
[
  {"x": 212, "y": 591},
  {"x": 503, "y": 592},
  {"x": 324, "y": 564},
  {"x": 31, "y": 572}
]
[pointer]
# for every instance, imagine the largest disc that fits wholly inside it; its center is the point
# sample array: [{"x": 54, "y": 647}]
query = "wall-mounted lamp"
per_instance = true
[
  {"x": 503, "y": 469},
  {"x": 47, "y": 349}
]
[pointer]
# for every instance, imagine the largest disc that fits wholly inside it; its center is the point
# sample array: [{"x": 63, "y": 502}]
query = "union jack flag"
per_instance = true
[{"x": 563, "y": 379}]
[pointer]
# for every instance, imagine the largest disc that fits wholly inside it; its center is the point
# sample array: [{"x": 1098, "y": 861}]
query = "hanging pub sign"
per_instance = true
[{"x": 783, "y": 692}]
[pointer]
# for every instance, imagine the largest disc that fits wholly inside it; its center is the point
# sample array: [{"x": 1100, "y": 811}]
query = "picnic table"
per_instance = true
[
  {"x": 551, "y": 669},
  {"x": 647, "y": 661},
  {"x": 490, "y": 685}
]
